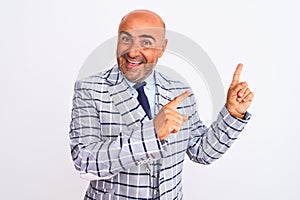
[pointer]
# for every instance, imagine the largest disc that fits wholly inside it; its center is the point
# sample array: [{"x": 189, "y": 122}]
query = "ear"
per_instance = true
[{"x": 164, "y": 45}]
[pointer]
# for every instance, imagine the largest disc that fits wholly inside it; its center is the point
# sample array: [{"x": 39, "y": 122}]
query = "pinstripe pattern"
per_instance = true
[{"x": 114, "y": 144}]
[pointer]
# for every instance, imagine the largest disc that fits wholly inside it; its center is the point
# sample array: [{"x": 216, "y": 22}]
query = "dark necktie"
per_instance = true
[{"x": 142, "y": 98}]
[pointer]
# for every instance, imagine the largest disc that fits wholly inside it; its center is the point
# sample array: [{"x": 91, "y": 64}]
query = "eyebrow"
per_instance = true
[
  {"x": 147, "y": 36},
  {"x": 140, "y": 36}
]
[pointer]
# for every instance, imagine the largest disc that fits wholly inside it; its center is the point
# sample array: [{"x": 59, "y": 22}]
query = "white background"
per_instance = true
[{"x": 43, "y": 45}]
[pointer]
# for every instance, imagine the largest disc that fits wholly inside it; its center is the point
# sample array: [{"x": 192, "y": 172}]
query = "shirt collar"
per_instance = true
[{"x": 149, "y": 80}]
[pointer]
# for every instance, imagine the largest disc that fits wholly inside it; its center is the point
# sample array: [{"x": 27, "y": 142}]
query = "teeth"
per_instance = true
[{"x": 134, "y": 62}]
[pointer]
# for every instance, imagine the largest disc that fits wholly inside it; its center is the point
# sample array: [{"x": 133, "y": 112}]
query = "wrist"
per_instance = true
[
  {"x": 238, "y": 115},
  {"x": 235, "y": 113}
]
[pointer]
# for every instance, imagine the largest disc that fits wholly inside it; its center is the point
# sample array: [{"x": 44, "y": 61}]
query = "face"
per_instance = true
[{"x": 139, "y": 46}]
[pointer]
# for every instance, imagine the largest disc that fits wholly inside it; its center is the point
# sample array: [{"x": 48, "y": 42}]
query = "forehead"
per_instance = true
[
  {"x": 142, "y": 22},
  {"x": 137, "y": 32}
]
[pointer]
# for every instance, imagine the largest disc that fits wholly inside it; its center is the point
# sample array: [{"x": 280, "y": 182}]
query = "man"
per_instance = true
[{"x": 131, "y": 145}]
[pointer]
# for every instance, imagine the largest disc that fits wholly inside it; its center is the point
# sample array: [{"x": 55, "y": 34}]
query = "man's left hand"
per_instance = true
[{"x": 239, "y": 96}]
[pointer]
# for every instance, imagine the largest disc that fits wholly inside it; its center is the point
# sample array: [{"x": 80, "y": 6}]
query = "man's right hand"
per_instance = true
[{"x": 168, "y": 120}]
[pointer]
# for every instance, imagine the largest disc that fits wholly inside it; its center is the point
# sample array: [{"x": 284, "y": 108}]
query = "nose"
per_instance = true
[{"x": 134, "y": 50}]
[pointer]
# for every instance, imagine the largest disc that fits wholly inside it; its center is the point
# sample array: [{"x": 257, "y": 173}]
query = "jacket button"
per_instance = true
[{"x": 148, "y": 171}]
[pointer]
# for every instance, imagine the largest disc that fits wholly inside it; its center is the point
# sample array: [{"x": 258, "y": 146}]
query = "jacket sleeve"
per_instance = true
[
  {"x": 97, "y": 157},
  {"x": 208, "y": 144}
]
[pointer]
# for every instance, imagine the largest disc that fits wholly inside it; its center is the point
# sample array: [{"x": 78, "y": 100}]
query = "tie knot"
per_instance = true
[
  {"x": 140, "y": 90},
  {"x": 140, "y": 87}
]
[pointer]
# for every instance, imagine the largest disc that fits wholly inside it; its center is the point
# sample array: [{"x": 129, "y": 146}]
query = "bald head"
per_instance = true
[
  {"x": 138, "y": 19},
  {"x": 141, "y": 42}
]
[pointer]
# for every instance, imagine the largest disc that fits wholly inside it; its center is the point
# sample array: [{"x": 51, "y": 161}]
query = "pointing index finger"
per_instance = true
[
  {"x": 180, "y": 98},
  {"x": 237, "y": 75}
]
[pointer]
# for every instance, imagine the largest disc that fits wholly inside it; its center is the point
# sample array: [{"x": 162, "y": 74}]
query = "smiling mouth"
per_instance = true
[{"x": 133, "y": 64}]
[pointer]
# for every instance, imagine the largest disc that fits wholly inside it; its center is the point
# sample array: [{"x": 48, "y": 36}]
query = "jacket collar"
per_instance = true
[{"x": 127, "y": 105}]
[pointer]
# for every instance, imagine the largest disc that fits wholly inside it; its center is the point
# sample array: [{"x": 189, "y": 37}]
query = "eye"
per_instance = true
[
  {"x": 146, "y": 43},
  {"x": 125, "y": 39}
]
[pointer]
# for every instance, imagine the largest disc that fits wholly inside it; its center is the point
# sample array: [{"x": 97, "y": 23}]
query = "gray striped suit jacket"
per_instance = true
[{"x": 115, "y": 146}]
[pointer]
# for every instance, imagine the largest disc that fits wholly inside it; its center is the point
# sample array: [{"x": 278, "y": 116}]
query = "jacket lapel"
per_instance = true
[
  {"x": 164, "y": 94},
  {"x": 128, "y": 106}
]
